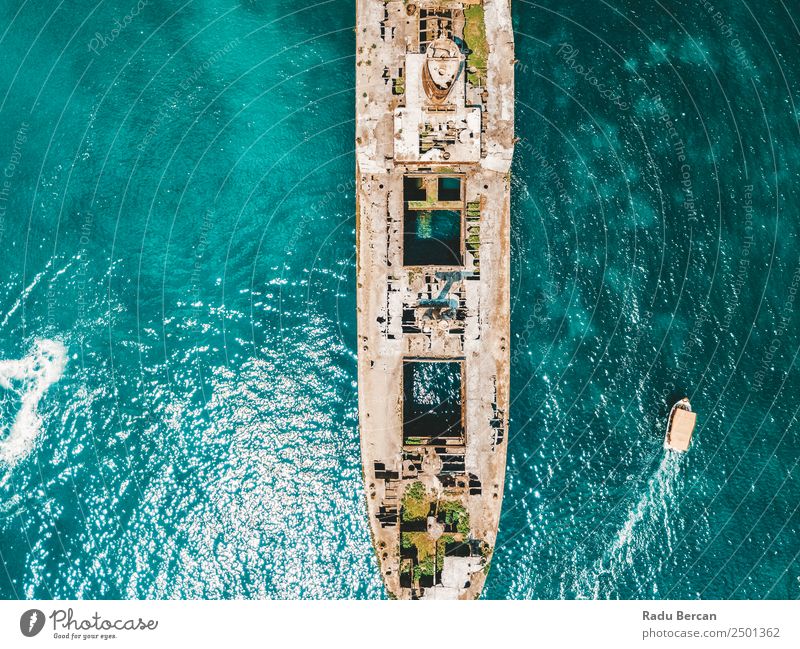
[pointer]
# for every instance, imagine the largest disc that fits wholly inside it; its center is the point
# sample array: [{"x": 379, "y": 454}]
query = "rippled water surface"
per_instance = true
[{"x": 178, "y": 411}]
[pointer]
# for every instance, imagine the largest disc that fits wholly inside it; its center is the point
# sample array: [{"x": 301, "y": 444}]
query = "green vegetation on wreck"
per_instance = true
[
  {"x": 425, "y": 567},
  {"x": 444, "y": 541},
  {"x": 475, "y": 37},
  {"x": 455, "y": 513},
  {"x": 416, "y": 503},
  {"x": 425, "y": 563},
  {"x": 424, "y": 556}
]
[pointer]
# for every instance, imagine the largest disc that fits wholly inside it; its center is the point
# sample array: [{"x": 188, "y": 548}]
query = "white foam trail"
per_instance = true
[
  {"x": 29, "y": 378},
  {"x": 648, "y": 523},
  {"x": 25, "y": 294},
  {"x": 653, "y": 505}
]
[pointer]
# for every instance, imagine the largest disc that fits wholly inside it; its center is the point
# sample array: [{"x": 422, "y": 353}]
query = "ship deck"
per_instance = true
[{"x": 434, "y": 142}]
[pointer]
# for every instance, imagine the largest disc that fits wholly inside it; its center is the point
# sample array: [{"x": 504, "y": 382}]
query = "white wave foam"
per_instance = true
[
  {"x": 29, "y": 378},
  {"x": 638, "y": 542},
  {"x": 653, "y": 507},
  {"x": 25, "y": 293}
]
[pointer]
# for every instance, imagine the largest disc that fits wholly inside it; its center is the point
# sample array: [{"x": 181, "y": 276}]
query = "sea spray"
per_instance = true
[
  {"x": 25, "y": 294},
  {"x": 28, "y": 378},
  {"x": 644, "y": 537}
]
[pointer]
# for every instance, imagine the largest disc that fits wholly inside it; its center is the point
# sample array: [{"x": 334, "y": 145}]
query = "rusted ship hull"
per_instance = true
[{"x": 434, "y": 142}]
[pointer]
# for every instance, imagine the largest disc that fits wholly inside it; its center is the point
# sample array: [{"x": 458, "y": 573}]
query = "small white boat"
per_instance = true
[{"x": 680, "y": 426}]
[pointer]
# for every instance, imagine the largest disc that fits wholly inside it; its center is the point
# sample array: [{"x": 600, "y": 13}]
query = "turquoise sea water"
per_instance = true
[{"x": 177, "y": 310}]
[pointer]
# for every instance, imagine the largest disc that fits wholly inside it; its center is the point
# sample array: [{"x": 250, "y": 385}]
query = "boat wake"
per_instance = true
[
  {"x": 644, "y": 538},
  {"x": 25, "y": 382},
  {"x": 25, "y": 294}
]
